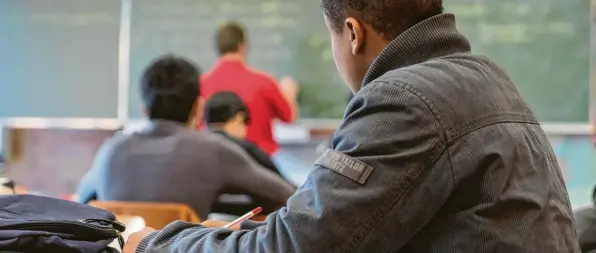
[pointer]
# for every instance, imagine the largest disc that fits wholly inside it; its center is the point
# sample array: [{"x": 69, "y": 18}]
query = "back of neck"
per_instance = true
[{"x": 233, "y": 57}]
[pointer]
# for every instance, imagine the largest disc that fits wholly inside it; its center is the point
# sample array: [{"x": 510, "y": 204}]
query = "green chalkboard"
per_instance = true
[
  {"x": 285, "y": 38},
  {"x": 59, "y": 58},
  {"x": 543, "y": 44}
]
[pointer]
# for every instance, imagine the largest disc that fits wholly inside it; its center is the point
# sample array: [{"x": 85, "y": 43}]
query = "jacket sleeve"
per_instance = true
[
  {"x": 585, "y": 225},
  {"x": 388, "y": 127},
  {"x": 87, "y": 190}
]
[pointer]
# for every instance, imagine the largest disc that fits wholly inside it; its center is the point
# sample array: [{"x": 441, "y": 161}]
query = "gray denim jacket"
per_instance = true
[{"x": 437, "y": 153}]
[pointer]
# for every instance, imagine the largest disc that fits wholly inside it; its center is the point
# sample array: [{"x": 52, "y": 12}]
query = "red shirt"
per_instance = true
[{"x": 259, "y": 92}]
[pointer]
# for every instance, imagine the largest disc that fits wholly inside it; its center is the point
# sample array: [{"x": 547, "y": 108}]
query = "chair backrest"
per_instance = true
[{"x": 156, "y": 215}]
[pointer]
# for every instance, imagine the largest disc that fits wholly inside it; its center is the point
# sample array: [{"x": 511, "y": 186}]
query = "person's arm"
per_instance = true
[
  {"x": 389, "y": 128},
  {"x": 87, "y": 190},
  {"x": 283, "y": 99},
  {"x": 243, "y": 173},
  {"x": 259, "y": 155},
  {"x": 585, "y": 225}
]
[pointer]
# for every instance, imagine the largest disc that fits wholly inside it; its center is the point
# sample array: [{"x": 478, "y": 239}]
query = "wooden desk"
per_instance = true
[{"x": 260, "y": 217}]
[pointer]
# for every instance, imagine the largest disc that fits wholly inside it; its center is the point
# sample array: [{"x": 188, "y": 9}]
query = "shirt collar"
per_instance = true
[
  {"x": 152, "y": 126},
  {"x": 228, "y": 61},
  {"x": 432, "y": 38}
]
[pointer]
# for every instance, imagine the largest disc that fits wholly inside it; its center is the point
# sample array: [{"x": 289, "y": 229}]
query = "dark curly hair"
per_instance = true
[{"x": 388, "y": 17}]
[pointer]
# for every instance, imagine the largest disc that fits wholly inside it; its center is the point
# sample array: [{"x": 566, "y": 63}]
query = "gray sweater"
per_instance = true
[{"x": 167, "y": 162}]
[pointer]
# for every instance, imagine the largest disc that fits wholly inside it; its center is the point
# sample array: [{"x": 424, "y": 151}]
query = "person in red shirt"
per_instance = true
[{"x": 266, "y": 100}]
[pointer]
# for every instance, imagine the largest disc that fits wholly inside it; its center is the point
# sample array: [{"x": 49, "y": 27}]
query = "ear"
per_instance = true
[
  {"x": 238, "y": 118},
  {"x": 198, "y": 107},
  {"x": 356, "y": 34},
  {"x": 196, "y": 113}
]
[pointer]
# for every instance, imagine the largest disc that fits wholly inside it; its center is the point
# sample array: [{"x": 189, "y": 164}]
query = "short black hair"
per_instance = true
[
  {"x": 230, "y": 36},
  {"x": 223, "y": 106},
  {"x": 388, "y": 17},
  {"x": 170, "y": 88}
]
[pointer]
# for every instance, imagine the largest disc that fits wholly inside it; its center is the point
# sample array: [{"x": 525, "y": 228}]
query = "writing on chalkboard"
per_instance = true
[
  {"x": 543, "y": 45},
  {"x": 58, "y": 18},
  {"x": 285, "y": 38},
  {"x": 512, "y": 32}
]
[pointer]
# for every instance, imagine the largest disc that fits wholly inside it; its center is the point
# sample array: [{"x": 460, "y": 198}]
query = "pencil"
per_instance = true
[{"x": 244, "y": 217}]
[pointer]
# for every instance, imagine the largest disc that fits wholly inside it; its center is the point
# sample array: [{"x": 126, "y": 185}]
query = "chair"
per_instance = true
[{"x": 156, "y": 215}]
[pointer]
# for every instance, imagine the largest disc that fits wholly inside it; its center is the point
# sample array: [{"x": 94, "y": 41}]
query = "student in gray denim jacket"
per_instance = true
[{"x": 438, "y": 152}]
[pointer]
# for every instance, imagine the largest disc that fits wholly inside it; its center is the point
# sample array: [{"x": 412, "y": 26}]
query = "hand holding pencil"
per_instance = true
[
  {"x": 135, "y": 239},
  {"x": 234, "y": 225},
  {"x": 244, "y": 217}
]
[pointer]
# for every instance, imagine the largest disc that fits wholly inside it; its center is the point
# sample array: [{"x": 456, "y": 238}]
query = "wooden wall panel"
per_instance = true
[{"x": 52, "y": 161}]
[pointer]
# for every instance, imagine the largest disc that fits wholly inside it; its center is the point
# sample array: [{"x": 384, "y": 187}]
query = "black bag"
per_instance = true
[{"x": 31, "y": 223}]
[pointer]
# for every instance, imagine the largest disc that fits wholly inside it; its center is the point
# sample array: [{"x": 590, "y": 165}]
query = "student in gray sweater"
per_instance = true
[{"x": 167, "y": 161}]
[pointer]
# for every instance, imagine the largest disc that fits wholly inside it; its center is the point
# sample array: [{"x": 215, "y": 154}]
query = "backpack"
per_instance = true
[{"x": 31, "y": 223}]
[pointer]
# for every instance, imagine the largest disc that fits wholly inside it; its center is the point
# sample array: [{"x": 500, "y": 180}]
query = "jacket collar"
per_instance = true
[{"x": 432, "y": 38}]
